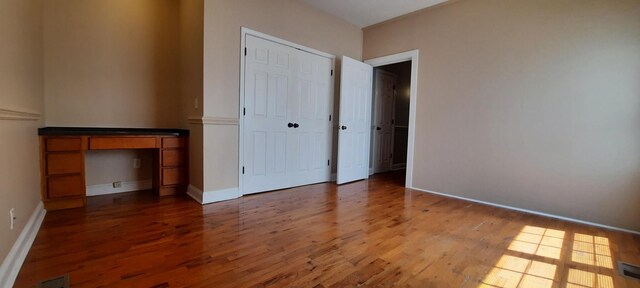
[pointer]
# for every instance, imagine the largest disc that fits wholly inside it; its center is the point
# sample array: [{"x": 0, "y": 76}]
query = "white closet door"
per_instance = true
[
  {"x": 286, "y": 133},
  {"x": 355, "y": 121},
  {"x": 309, "y": 111}
]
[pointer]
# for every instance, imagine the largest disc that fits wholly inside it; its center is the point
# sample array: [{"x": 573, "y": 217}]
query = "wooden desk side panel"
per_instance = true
[
  {"x": 62, "y": 164},
  {"x": 173, "y": 164}
]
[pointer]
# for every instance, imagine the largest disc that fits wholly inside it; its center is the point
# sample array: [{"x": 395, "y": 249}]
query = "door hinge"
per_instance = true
[
  {"x": 244, "y": 111},
  {"x": 329, "y": 117},
  {"x": 328, "y": 162},
  {"x": 391, "y": 156},
  {"x": 245, "y": 51},
  {"x": 393, "y": 121},
  {"x": 242, "y": 169},
  {"x": 331, "y": 72},
  {"x": 394, "y": 87}
]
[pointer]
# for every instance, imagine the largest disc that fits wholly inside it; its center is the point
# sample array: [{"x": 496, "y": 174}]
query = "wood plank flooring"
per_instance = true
[{"x": 371, "y": 233}]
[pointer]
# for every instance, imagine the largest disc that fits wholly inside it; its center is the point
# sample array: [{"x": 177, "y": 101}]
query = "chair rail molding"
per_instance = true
[
  {"x": 211, "y": 120},
  {"x": 13, "y": 114}
]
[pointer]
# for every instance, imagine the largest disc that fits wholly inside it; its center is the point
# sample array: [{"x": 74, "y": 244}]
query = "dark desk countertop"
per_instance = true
[{"x": 101, "y": 131}]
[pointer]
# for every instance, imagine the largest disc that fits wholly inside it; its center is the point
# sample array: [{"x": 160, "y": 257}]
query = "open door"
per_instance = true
[
  {"x": 354, "y": 130},
  {"x": 384, "y": 95}
]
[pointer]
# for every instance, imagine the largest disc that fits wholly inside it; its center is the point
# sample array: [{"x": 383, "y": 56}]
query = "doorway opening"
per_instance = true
[
  {"x": 390, "y": 118},
  {"x": 404, "y": 66}
]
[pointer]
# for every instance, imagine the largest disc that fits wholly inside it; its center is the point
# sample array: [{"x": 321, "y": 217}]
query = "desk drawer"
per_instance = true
[
  {"x": 102, "y": 143},
  {"x": 63, "y": 144},
  {"x": 172, "y": 176},
  {"x": 65, "y": 186},
  {"x": 172, "y": 158},
  {"x": 64, "y": 163},
  {"x": 173, "y": 142}
]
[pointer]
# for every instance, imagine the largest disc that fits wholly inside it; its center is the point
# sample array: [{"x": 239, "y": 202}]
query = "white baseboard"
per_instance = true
[
  {"x": 530, "y": 211},
  {"x": 127, "y": 186},
  {"x": 212, "y": 196},
  {"x": 194, "y": 193},
  {"x": 18, "y": 253}
]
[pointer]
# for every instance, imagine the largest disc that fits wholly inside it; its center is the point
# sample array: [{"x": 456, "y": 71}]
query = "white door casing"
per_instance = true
[
  {"x": 383, "y": 114},
  {"x": 354, "y": 128},
  {"x": 412, "y": 56},
  {"x": 286, "y": 132}
]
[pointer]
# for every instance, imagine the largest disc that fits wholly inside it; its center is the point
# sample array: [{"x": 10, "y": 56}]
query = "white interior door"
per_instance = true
[
  {"x": 384, "y": 95},
  {"x": 286, "y": 128},
  {"x": 309, "y": 111},
  {"x": 354, "y": 130}
]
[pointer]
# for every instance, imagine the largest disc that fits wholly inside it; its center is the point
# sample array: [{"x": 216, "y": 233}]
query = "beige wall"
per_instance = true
[
  {"x": 21, "y": 87},
  {"x": 113, "y": 63},
  {"x": 191, "y": 85},
  {"x": 532, "y": 104},
  {"x": 286, "y": 19},
  {"x": 119, "y": 164}
]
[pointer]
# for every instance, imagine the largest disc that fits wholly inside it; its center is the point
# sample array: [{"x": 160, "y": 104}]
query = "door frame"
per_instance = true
[
  {"x": 413, "y": 95},
  {"x": 243, "y": 33}
]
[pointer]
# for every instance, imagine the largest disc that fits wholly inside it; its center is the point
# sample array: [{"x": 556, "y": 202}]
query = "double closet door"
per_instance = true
[{"x": 286, "y": 117}]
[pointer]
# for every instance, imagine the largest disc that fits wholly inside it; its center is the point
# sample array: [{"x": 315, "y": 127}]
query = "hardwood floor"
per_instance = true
[{"x": 370, "y": 233}]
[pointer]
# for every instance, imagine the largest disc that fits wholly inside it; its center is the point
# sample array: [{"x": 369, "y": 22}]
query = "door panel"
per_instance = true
[
  {"x": 355, "y": 121},
  {"x": 268, "y": 79},
  {"x": 285, "y": 85},
  {"x": 384, "y": 95}
]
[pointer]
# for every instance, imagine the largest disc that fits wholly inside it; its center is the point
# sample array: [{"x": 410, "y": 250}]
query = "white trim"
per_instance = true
[
  {"x": 219, "y": 195},
  {"x": 211, "y": 120},
  {"x": 211, "y": 196},
  {"x": 18, "y": 253},
  {"x": 529, "y": 211},
  {"x": 195, "y": 193},
  {"x": 243, "y": 33},
  {"x": 127, "y": 186},
  {"x": 413, "y": 95},
  {"x": 11, "y": 114}
]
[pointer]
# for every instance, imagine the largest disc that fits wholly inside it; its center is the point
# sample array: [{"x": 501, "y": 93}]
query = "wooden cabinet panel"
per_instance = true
[
  {"x": 64, "y": 144},
  {"x": 64, "y": 163},
  {"x": 65, "y": 186},
  {"x": 172, "y": 176},
  {"x": 102, "y": 143},
  {"x": 172, "y": 158},
  {"x": 173, "y": 142}
]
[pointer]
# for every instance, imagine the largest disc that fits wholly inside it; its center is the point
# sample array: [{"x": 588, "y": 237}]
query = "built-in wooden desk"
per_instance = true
[{"x": 62, "y": 151}]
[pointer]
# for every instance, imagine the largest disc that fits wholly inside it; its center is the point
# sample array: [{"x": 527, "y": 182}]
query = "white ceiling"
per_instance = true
[{"x": 363, "y": 13}]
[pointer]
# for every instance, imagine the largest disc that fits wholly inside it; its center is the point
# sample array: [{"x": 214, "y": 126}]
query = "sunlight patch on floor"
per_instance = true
[
  {"x": 539, "y": 241},
  {"x": 591, "y": 250},
  {"x": 511, "y": 271},
  {"x": 546, "y": 244},
  {"x": 583, "y": 279}
]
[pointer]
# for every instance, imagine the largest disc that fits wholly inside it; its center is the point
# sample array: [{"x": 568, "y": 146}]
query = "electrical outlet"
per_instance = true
[
  {"x": 117, "y": 184},
  {"x": 12, "y": 217},
  {"x": 136, "y": 163}
]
